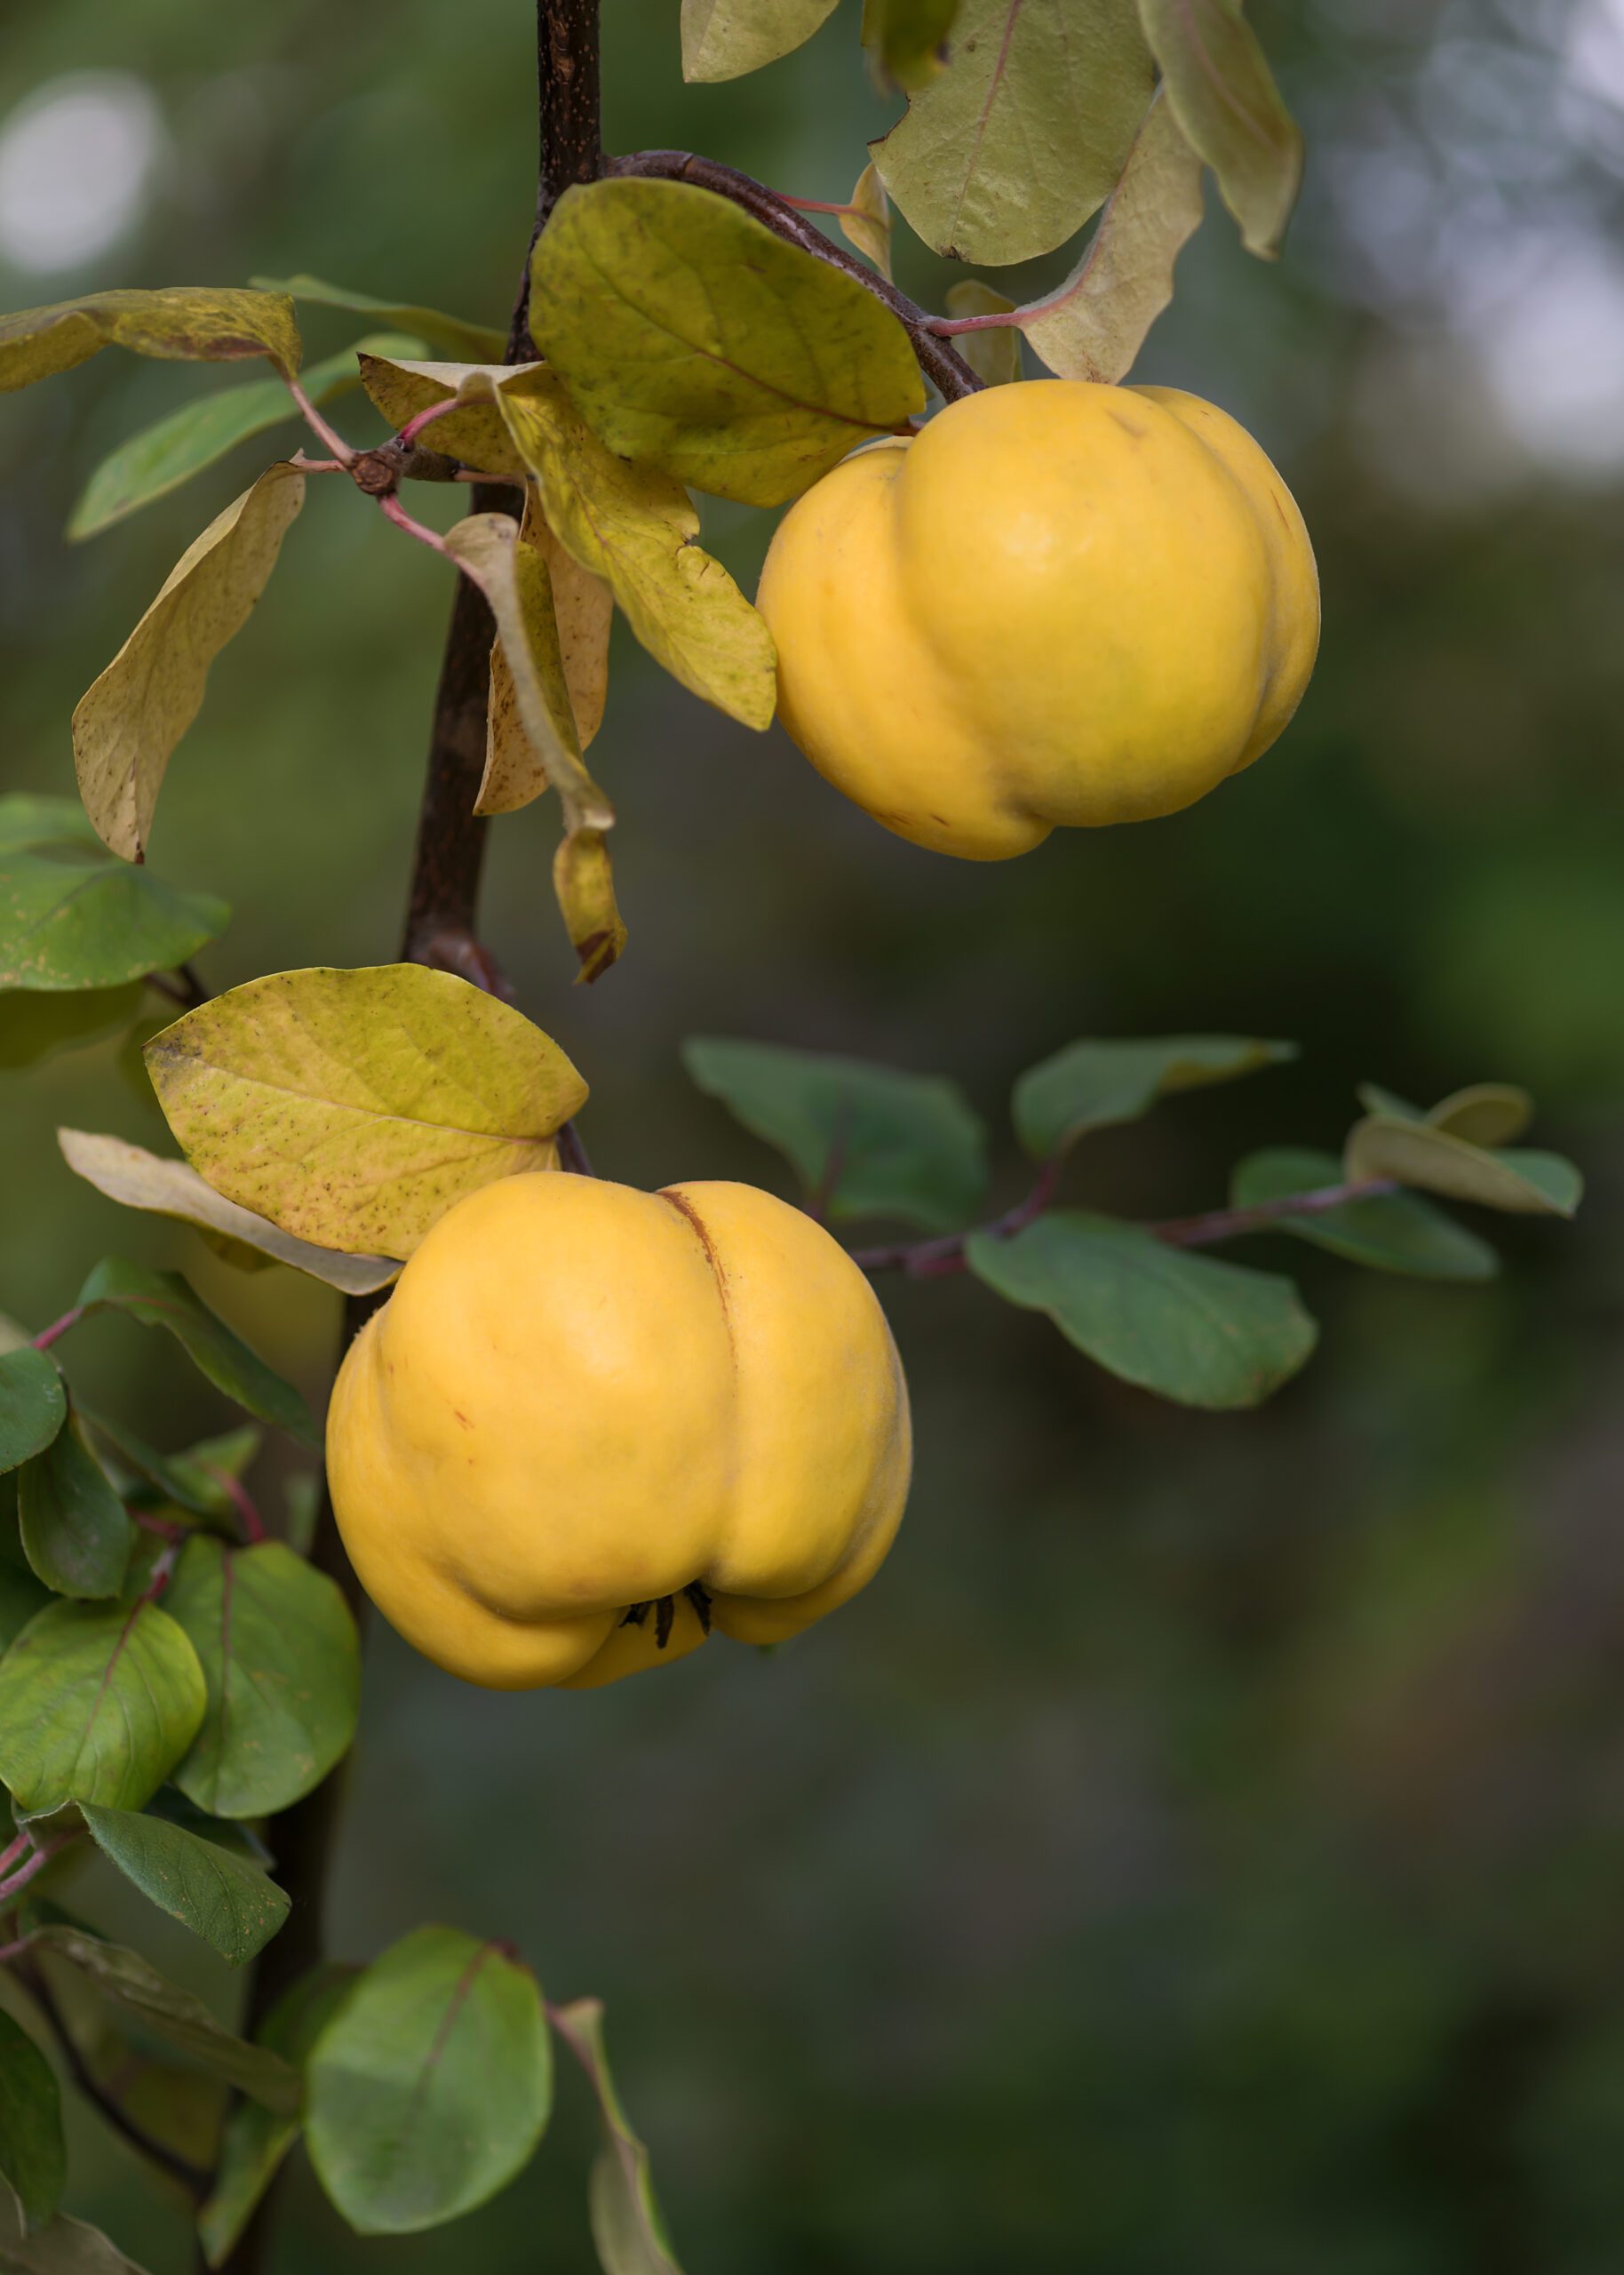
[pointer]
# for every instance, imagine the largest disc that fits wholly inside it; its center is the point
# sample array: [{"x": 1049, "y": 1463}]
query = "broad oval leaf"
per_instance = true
[
  {"x": 1190, "y": 1328},
  {"x": 1226, "y": 100},
  {"x": 190, "y": 323},
  {"x": 1095, "y": 326},
  {"x": 144, "y": 1996},
  {"x": 627, "y": 2225},
  {"x": 163, "y": 1299},
  {"x": 1393, "y": 1232},
  {"x": 63, "y": 2247},
  {"x": 1094, "y": 1085},
  {"x": 865, "y": 1140},
  {"x": 1484, "y": 1114},
  {"x": 1006, "y": 153},
  {"x": 281, "y": 1662},
  {"x": 70, "y": 919},
  {"x": 431, "y": 2086},
  {"x": 690, "y": 337},
  {"x": 224, "y": 1899},
  {"x": 478, "y": 343},
  {"x": 98, "y": 1703},
  {"x": 1519, "y": 1183},
  {"x": 723, "y": 39},
  {"x": 907, "y": 39},
  {"x": 128, "y": 721},
  {"x": 76, "y": 1531},
  {"x": 257, "y": 2139},
  {"x": 21, "y": 1595},
  {"x": 138, "y": 1179},
  {"x": 33, "y": 2158},
  {"x": 993, "y": 354},
  {"x": 33, "y": 1405},
  {"x": 353, "y": 1108},
  {"x": 196, "y": 437}
]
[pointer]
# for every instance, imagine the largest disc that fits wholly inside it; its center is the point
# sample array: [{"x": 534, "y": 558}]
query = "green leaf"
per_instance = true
[
  {"x": 33, "y": 1405},
  {"x": 1417, "y": 1154},
  {"x": 869, "y": 1141},
  {"x": 98, "y": 1703},
  {"x": 282, "y": 1660},
  {"x": 70, "y": 919},
  {"x": 128, "y": 721},
  {"x": 690, "y": 337},
  {"x": 353, "y": 1108},
  {"x": 1094, "y": 1085},
  {"x": 76, "y": 1531},
  {"x": 21, "y": 1595},
  {"x": 723, "y": 39},
  {"x": 1374, "y": 1099},
  {"x": 430, "y": 2087},
  {"x": 1095, "y": 326},
  {"x": 138, "y": 1179},
  {"x": 1393, "y": 1232},
  {"x": 33, "y": 1028},
  {"x": 1006, "y": 153},
  {"x": 190, "y": 323},
  {"x": 628, "y": 2226},
  {"x": 230, "y": 1903},
  {"x": 64, "y": 2247},
  {"x": 1204, "y": 1333},
  {"x": 1225, "y": 99},
  {"x": 1484, "y": 1114},
  {"x": 907, "y": 39},
  {"x": 476, "y": 343},
  {"x": 196, "y": 437},
  {"x": 163, "y": 1299},
  {"x": 994, "y": 355},
  {"x": 33, "y": 2159},
  {"x": 191, "y": 1481},
  {"x": 143, "y": 1997},
  {"x": 255, "y": 2139}
]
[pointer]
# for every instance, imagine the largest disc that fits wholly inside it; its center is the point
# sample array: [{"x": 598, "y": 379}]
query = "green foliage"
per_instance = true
[
  {"x": 282, "y": 1661},
  {"x": 21, "y": 1595},
  {"x": 65, "y": 2246},
  {"x": 1224, "y": 96},
  {"x": 163, "y": 1299},
  {"x": 1092, "y": 1085},
  {"x": 1423, "y": 1154},
  {"x": 1009, "y": 151},
  {"x": 1394, "y": 1232},
  {"x": 1204, "y": 1333},
  {"x": 33, "y": 2159},
  {"x": 627, "y": 2225},
  {"x": 722, "y": 39},
  {"x": 228, "y": 1902},
  {"x": 192, "y": 323},
  {"x": 691, "y": 337},
  {"x": 257, "y": 2139},
  {"x": 907, "y": 39},
  {"x": 33, "y": 1405},
  {"x": 478, "y": 343},
  {"x": 72, "y": 920},
  {"x": 867, "y": 1141},
  {"x": 430, "y": 2087},
  {"x": 193, "y": 1481},
  {"x": 98, "y": 1703},
  {"x": 75, "y": 1532}
]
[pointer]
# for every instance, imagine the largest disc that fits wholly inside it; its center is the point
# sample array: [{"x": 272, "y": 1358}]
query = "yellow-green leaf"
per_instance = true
[
  {"x": 907, "y": 39},
  {"x": 579, "y": 607},
  {"x": 690, "y": 337},
  {"x": 866, "y": 221},
  {"x": 1484, "y": 1114},
  {"x": 481, "y": 343},
  {"x": 131, "y": 719},
  {"x": 1006, "y": 153},
  {"x": 584, "y": 606},
  {"x": 585, "y": 884},
  {"x": 1419, "y": 1154},
  {"x": 138, "y": 1179},
  {"x": 475, "y": 434},
  {"x": 187, "y": 323},
  {"x": 353, "y": 1108},
  {"x": 1226, "y": 100},
  {"x": 627, "y": 2225},
  {"x": 994, "y": 355},
  {"x": 723, "y": 39},
  {"x": 1095, "y": 326}
]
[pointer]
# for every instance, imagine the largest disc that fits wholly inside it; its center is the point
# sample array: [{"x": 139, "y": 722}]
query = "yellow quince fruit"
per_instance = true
[
  {"x": 1059, "y": 604},
  {"x": 591, "y": 1423}
]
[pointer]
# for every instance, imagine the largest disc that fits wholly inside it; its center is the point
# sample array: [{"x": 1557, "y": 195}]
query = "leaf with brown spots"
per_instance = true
[{"x": 186, "y": 322}]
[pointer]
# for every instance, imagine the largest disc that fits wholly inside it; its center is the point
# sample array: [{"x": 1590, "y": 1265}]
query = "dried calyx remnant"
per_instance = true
[{"x": 665, "y": 1610}]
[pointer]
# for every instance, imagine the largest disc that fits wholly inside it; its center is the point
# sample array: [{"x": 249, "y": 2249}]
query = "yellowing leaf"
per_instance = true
[
  {"x": 635, "y": 528},
  {"x": 479, "y": 342},
  {"x": 514, "y": 770},
  {"x": 1225, "y": 99},
  {"x": 722, "y": 39},
  {"x": 583, "y": 606},
  {"x": 475, "y": 434},
  {"x": 353, "y": 1108},
  {"x": 138, "y": 1179},
  {"x": 994, "y": 355},
  {"x": 1006, "y": 153},
  {"x": 907, "y": 39},
  {"x": 1095, "y": 326},
  {"x": 866, "y": 222},
  {"x": 690, "y": 337},
  {"x": 128, "y": 721},
  {"x": 1421, "y": 1154},
  {"x": 585, "y": 884},
  {"x": 190, "y": 323}
]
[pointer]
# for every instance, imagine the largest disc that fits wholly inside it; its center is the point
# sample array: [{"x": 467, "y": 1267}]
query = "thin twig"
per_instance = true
[
  {"x": 319, "y": 427},
  {"x": 572, "y": 1153},
  {"x": 1230, "y": 1224},
  {"x": 58, "y": 1328},
  {"x": 11, "y": 1889},
  {"x": 242, "y": 1501},
  {"x": 183, "y": 986},
  {"x": 391, "y": 510}
]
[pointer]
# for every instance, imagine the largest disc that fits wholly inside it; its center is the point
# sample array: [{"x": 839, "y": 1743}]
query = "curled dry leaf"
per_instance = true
[
  {"x": 131, "y": 719},
  {"x": 515, "y": 770},
  {"x": 187, "y": 322},
  {"x": 584, "y": 883},
  {"x": 1095, "y": 326}
]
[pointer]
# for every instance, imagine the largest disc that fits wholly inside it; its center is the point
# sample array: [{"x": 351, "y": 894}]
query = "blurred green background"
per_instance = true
[{"x": 1203, "y": 1848}]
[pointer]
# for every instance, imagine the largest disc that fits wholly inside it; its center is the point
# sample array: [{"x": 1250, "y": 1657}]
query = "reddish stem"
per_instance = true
[
  {"x": 242, "y": 1501},
  {"x": 414, "y": 425},
  {"x": 391, "y": 510},
  {"x": 58, "y": 1328},
  {"x": 320, "y": 427}
]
